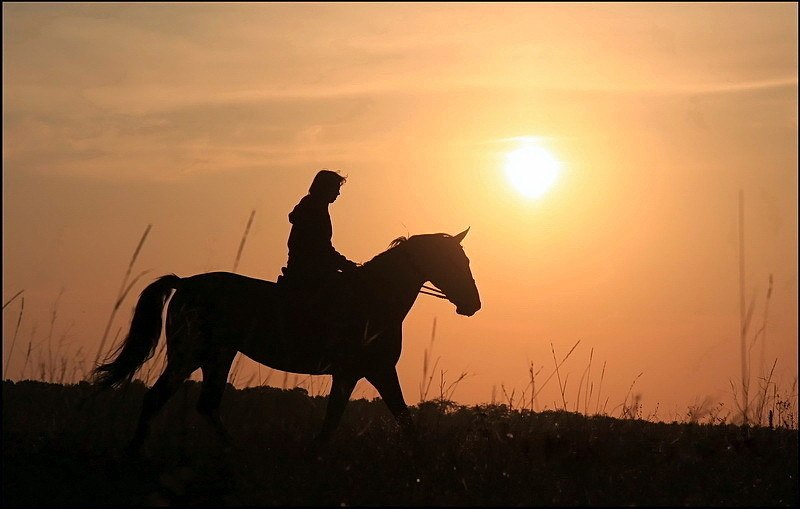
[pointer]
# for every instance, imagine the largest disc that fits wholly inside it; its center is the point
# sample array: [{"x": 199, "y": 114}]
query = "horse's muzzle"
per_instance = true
[{"x": 468, "y": 310}]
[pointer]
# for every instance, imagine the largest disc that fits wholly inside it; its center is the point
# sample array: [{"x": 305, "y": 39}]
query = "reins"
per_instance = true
[
  {"x": 438, "y": 293},
  {"x": 427, "y": 290}
]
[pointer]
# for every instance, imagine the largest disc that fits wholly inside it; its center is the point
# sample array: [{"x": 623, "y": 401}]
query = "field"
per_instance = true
[{"x": 62, "y": 445}]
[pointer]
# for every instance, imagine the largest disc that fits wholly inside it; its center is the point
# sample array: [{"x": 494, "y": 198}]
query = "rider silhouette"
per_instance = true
[{"x": 312, "y": 258}]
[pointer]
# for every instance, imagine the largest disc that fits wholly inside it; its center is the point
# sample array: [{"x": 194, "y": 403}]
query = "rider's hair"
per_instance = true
[{"x": 326, "y": 179}]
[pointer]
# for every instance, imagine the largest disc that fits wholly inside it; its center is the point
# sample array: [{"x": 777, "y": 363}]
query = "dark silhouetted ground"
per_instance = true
[{"x": 62, "y": 448}]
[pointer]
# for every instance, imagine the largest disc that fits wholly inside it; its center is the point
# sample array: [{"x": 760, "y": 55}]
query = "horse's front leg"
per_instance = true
[
  {"x": 341, "y": 388},
  {"x": 388, "y": 385}
]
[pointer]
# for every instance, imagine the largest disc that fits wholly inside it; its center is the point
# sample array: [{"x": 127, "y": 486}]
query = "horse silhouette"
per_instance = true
[{"x": 351, "y": 330}]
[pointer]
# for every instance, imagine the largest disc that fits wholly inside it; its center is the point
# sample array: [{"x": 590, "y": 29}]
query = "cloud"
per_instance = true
[
  {"x": 162, "y": 89},
  {"x": 212, "y": 137}
]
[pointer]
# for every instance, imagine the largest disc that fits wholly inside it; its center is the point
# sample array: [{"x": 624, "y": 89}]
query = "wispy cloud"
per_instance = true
[{"x": 118, "y": 88}]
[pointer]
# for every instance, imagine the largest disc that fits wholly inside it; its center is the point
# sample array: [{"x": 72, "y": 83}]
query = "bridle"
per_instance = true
[
  {"x": 438, "y": 293},
  {"x": 425, "y": 289}
]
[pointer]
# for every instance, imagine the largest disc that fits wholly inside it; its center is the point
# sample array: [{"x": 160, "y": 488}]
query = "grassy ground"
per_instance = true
[{"x": 63, "y": 447}]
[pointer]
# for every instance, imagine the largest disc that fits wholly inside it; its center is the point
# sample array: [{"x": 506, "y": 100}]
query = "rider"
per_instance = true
[{"x": 312, "y": 258}]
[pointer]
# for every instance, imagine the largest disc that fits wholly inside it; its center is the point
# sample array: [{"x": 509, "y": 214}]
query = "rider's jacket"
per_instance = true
[{"x": 311, "y": 255}]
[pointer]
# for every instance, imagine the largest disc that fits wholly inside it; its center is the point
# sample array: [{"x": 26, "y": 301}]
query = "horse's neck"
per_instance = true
[{"x": 393, "y": 280}]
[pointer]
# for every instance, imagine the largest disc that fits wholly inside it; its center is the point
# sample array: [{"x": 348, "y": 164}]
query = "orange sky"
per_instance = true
[{"x": 116, "y": 116}]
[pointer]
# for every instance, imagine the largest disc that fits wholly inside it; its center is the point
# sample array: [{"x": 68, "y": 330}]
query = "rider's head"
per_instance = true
[{"x": 326, "y": 185}]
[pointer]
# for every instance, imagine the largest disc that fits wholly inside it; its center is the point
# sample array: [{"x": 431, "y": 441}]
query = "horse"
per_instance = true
[{"x": 352, "y": 330}]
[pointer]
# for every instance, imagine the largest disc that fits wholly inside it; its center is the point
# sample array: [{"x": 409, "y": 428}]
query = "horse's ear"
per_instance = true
[{"x": 461, "y": 236}]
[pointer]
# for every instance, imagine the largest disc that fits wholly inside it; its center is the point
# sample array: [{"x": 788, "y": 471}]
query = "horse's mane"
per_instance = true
[
  {"x": 399, "y": 241},
  {"x": 396, "y": 242},
  {"x": 392, "y": 245}
]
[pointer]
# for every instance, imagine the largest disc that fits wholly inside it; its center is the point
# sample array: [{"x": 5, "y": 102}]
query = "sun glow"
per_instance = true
[{"x": 532, "y": 170}]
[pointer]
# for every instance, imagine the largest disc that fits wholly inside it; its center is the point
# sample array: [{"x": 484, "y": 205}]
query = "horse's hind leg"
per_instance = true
[
  {"x": 155, "y": 398},
  {"x": 215, "y": 377}
]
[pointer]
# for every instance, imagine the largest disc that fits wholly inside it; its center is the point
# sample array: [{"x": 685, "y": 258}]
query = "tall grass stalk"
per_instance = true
[
  {"x": 266, "y": 379},
  {"x": 762, "y": 332},
  {"x": 558, "y": 374},
  {"x": 27, "y": 358},
  {"x": 742, "y": 332},
  {"x": 237, "y": 364},
  {"x": 625, "y": 409},
  {"x": 509, "y": 399},
  {"x": 745, "y": 317},
  {"x": 580, "y": 388},
  {"x": 580, "y": 383},
  {"x": 424, "y": 386},
  {"x": 16, "y": 330},
  {"x": 791, "y": 405},
  {"x": 236, "y": 367},
  {"x": 557, "y": 366},
  {"x": 446, "y": 391},
  {"x": 244, "y": 239},
  {"x": 744, "y": 406},
  {"x": 534, "y": 399},
  {"x": 745, "y": 314},
  {"x": 31, "y": 348},
  {"x": 9, "y": 301},
  {"x": 763, "y": 400},
  {"x": 53, "y": 317},
  {"x": 600, "y": 387},
  {"x": 123, "y": 291},
  {"x": 587, "y": 394},
  {"x": 318, "y": 385},
  {"x": 59, "y": 356},
  {"x": 78, "y": 365}
]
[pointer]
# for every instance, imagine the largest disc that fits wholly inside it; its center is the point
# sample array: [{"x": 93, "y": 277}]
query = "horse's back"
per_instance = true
[
  {"x": 247, "y": 314},
  {"x": 224, "y": 303},
  {"x": 226, "y": 281}
]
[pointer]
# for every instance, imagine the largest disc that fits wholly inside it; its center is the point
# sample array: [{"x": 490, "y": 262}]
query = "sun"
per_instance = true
[{"x": 532, "y": 170}]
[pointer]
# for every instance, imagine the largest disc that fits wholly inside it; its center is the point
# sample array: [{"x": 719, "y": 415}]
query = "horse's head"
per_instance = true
[{"x": 441, "y": 260}]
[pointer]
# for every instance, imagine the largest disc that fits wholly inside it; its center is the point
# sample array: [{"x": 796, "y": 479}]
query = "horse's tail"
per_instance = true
[{"x": 140, "y": 344}]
